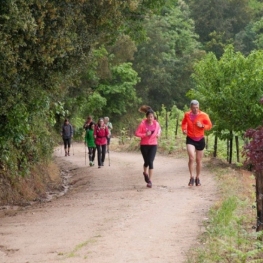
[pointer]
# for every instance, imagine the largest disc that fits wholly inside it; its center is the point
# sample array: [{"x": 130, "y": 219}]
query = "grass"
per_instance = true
[
  {"x": 229, "y": 235},
  {"x": 78, "y": 247}
]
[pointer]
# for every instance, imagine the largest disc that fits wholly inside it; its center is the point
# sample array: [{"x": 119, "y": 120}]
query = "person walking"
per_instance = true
[
  {"x": 149, "y": 131},
  {"x": 67, "y": 134},
  {"x": 101, "y": 133},
  {"x": 87, "y": 122},
  {"x": 90, "y": 142},
  {"x": 110, "y": 127},
  {"x": 194, "y": 124}
]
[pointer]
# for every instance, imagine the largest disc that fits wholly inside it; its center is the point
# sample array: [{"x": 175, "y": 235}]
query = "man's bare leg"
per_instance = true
[
  {"x": 199, "y": 156},
  {"x": 191, "y": 161}
]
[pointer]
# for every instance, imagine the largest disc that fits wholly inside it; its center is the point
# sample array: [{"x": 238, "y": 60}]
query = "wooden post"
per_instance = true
[
  {"x": 206, "y": 144},
  {"x": 259, "y": 200},
  {"x": 231, "y": 147},
  {"x": 166, "y": 124},
  {"x": 215, "y": 147},
  {"x": 227, "y": 150},
  {"x": 237, "y": 148},
  {"x": 177, "y": 124}
]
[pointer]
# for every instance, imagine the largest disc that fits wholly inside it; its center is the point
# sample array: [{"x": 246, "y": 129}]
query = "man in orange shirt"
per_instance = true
[{"x": 194, "y": 124}]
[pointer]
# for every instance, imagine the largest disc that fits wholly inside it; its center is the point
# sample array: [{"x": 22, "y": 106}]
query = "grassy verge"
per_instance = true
[
  {"x": 21, "y": 191},
  {"x": 229, "y": 235}
]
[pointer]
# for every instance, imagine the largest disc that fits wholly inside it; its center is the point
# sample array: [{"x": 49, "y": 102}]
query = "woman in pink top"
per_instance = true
[
  {"x": 149, "y": 130},
  {"x": 101, "y": 133}
]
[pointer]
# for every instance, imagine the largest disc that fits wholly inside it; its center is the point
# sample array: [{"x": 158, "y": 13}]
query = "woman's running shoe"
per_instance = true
[
  {"x": 146, "y": 177},
  {"x": 149, "y": 184}
]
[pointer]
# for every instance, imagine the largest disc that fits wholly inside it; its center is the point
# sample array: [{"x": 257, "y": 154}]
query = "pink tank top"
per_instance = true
[{"x": 150, "y": 127}]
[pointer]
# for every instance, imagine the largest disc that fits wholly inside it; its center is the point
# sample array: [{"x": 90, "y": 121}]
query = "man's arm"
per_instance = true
[
  {"x": 207, "y": 124},
  {"x": 184, "y": 125}
]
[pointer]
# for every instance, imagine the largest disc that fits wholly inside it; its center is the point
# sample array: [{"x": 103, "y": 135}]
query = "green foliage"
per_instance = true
[
  {"x": 164, "y": 61},
  {"x": 245, "y": 40},
  {"x": 123, "y": 136},
  {"x": 168, "y": 121},
  {"x": 119, "y": 91},
  {"x": 217, "y": 22},
  {"x": 230, "y": 90},
  {"x": 44, "y": 46},
  {"x": 251, "y": 38}
]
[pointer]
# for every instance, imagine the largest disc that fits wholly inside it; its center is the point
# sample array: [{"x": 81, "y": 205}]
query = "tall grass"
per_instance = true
[{"x": 228, "y": 235}]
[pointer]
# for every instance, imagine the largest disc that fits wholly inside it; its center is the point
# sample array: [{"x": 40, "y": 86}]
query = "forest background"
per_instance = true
[{"x": 73, "y": 58}]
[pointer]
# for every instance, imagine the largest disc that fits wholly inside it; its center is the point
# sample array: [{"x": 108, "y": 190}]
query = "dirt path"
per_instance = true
[{"x": 109, "y": 216}]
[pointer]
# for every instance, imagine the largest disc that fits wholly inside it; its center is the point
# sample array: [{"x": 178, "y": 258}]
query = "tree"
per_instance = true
[
  {"x": 230, "y": 87},
  {"x": 164, "y": 61},
  {"x": 217, "y": 21},
  {"x": 119, "y": 91},
  {"x": 254, "y": 159},
  {"x": 44, "y": 46}
]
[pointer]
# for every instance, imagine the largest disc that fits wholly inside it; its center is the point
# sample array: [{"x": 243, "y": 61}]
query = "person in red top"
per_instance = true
[
  {"x": 194, "y": 124},
  {"x": 149, "y": 130},
  {"x": 101, "y": 133}
]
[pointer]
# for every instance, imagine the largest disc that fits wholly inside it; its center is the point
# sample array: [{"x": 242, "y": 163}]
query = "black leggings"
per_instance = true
[
  {"x": 92, "y": 151},
  {"x": 66, "y": 143},
  {"x": 148, "y": 154},
  {"x": 101, "y": 153}
]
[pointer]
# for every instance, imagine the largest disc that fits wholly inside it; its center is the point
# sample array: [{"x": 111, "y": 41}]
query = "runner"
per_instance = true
[
  {"x": 149, "y": 130},
  {"x": 90, "y": 142},
  {"x": 194, "y": 124},
  {"x": 67, "y": 134},
  {"x": 101, "y": 133}
]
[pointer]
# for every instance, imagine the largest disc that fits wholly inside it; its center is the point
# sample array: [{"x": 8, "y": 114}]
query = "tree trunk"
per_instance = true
[
  {"x": 177, "y": 124},
  {"x": 166, "y": 125},
  {"x": 259, "y": 196},
  {"x": 231, "y": 147},
  {"x": 237, "y": 148},
  {"x": 227, "y": 150},
  {"x": 206, "y": 144},
  {"x": 215, "y": 147}
]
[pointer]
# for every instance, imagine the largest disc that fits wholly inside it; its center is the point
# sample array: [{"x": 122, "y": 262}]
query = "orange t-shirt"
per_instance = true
[{"x": 189, "y": 124}]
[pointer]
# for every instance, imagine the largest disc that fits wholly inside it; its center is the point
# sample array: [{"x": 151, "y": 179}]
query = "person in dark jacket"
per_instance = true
[
  {"x": 67, "y": 134},
  {"x": 101, "y": 134}
]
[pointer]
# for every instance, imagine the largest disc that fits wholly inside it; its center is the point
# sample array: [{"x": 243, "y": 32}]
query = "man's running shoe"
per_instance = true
[
  {"x": 197, "y": 182},
  {"x": 191, "y": 182}
]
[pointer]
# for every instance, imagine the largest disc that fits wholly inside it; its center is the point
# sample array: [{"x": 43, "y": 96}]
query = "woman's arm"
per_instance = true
[{"x": 141, "y": 131}]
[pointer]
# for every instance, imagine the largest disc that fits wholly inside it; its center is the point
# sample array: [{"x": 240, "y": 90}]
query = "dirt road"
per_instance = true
[{"x": 110, "y": 216}]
